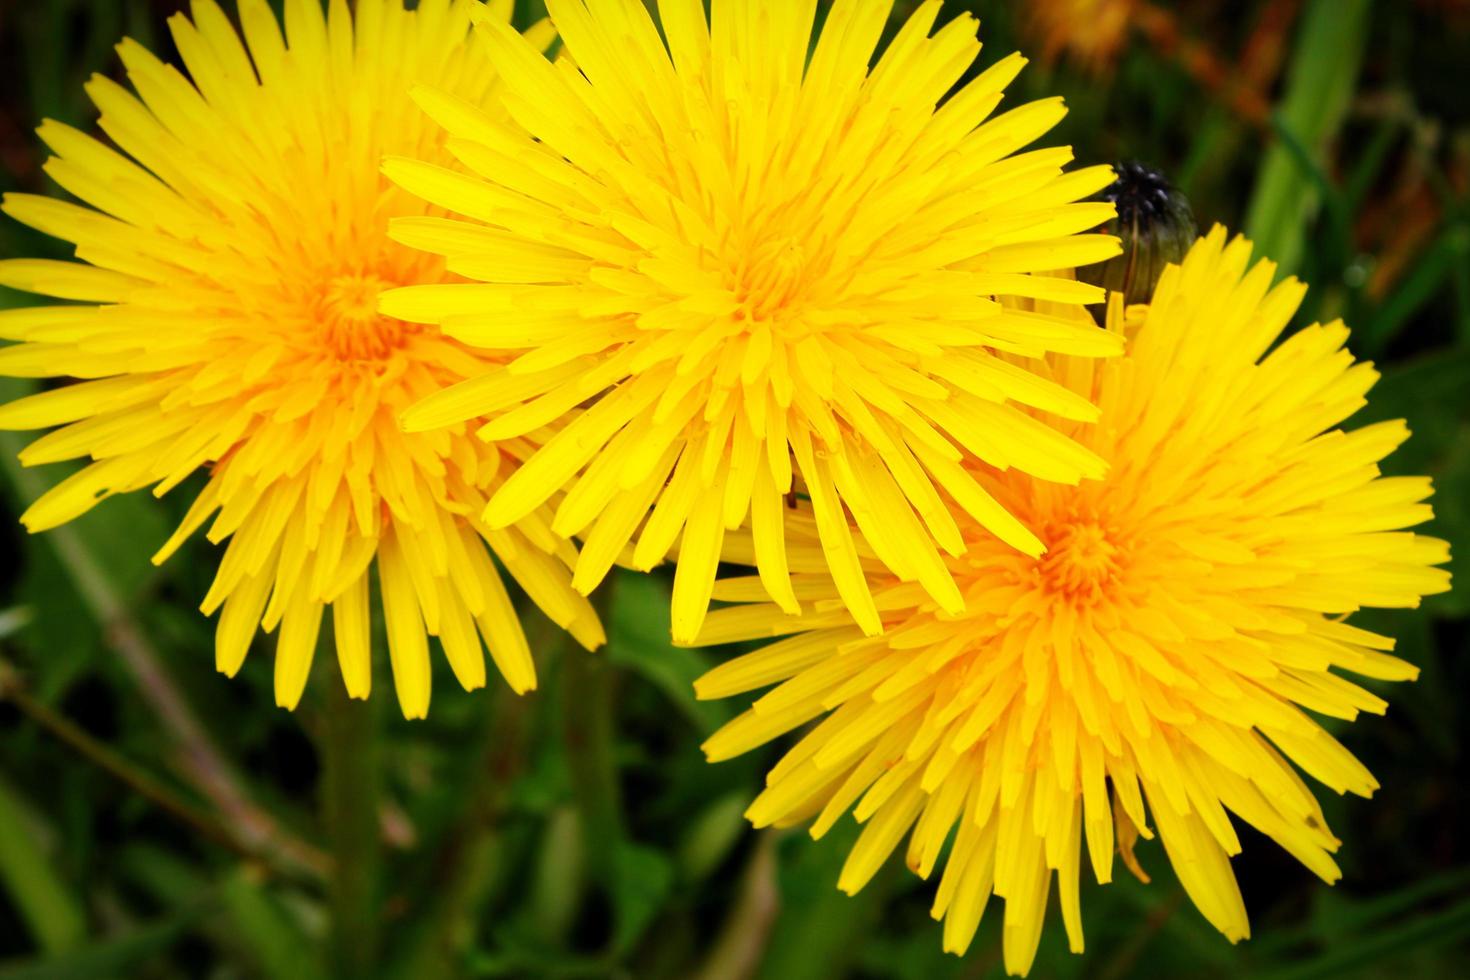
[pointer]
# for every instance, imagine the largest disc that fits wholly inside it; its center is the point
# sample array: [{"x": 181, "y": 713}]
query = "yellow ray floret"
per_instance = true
[
  {"x": 773, "y": 273},
  {"x": 1165, "y": 656},
  {"x": 231, "y": 246}
]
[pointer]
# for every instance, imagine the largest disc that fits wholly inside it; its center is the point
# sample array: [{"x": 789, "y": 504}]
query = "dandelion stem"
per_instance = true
[
  {"x": 350, "y": 784},
  {"x": 587, "y": 699},
  {"x": 471, "y": 859}
]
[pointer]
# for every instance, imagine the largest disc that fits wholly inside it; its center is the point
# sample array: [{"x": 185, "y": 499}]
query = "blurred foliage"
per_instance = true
[{"x": 157, "y": 821}]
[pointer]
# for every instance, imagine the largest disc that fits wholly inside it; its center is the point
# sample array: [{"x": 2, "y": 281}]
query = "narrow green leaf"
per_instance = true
[
  {"x": 712, "y": 834},
  {"x": 1322, "y": 74},
  {"x": 1427, "y": 275},
  {"x": 119, "y": 957},
  {"x": 1360, "y": 915},
  {"x": 560, "y": 877},
  {"x": 266, "y": 933},
  {"x": 51, "y": 911},
  {"x": 642, "y": 880},
  {"x": 1353, "y": 953},
  {"x": 1370, "y": 162}
]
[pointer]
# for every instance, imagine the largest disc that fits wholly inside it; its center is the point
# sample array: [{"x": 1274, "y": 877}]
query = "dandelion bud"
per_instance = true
[{"x": 1156, "y": 226}]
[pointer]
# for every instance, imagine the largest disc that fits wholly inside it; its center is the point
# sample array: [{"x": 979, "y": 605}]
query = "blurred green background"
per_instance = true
[{"x": 159, "y": 821}]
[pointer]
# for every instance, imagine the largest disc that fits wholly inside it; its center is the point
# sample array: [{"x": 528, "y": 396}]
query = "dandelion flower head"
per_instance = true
[
  {"x": 1164, "y": 658},
  {"x": 771, "y": 269},
  {"x": 231, "y": 244}
]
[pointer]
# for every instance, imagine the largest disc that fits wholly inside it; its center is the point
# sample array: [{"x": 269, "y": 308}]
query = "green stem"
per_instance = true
[
  {"x": 350, "y": 797},
  {"x": 471, "y": 856},
  {"x": 587, "y": 700}
]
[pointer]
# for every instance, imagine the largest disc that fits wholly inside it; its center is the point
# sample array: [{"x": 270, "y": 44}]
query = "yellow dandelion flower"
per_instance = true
[
  {"x": 1189, "y": 607},
  {"x": 232, "y": 246},
  {"x": 775, "y": 273}
]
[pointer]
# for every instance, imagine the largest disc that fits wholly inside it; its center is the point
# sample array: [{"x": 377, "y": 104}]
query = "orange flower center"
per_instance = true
[
  {"x": 768, "y": 278},
  {"x": 352, "y": 329},
  {"x": 1083, "y": 559}
]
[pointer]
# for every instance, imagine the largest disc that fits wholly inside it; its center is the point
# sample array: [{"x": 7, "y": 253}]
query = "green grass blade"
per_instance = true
[
  {"x": 51, "y": 911},
  {"x": 264, "y": 929},
  {"x": 1322, "y": 74},
  {"x": 1430, "y": 270},
  {"x": 1350, "y": 955},
  {"x": 118, "y": 957}
]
